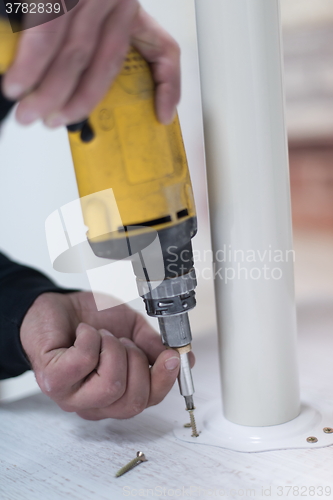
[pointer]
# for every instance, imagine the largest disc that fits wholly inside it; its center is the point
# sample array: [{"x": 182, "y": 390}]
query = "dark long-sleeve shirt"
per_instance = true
[{"x": 19, "y": 288}]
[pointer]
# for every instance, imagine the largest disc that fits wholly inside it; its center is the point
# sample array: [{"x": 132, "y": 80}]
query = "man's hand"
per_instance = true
[
  {"x": 96, "y": 363},
  {"x": 63, "y": 68}
]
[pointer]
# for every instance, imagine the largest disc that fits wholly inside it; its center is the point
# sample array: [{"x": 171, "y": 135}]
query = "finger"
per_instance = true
[
  {"x": 69, "y": 366},
  {"x": 108, "y": 59},
  {"x": 74, "y": 56},
  {"x": 162, "y": 51},
  {"x": 107, "y": 383},
  {"x": 36, "y": 49},
  {"x": 191, "y": 359},
  {"x": 135, "y": 399},
  {"x": 163, "y": 375},
  {"x": 147, "y": 339}
]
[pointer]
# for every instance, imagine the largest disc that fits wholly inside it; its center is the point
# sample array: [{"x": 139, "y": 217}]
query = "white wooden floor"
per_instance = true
[{"x": 48, "y": 454}]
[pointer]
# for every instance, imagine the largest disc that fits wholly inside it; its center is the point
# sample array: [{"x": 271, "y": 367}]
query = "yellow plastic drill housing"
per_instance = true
[
  {"x": 130, "y": 152},
  {"x": 8, "y": 43},
  {"x": 141, "y": 160}
]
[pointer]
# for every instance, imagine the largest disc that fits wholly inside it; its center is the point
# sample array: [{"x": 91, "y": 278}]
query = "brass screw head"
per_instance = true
[
  {"x": 328, "y": 430},
  {"x": 312, "y": 439},
  {"x": 141, "y": 456}
]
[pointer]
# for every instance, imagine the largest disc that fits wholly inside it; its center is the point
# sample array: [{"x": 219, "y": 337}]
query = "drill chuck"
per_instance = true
[
  {"x": 175, "y": 330},
  {"x": 169, "y": 302},
  {"x": 170, "y": 297}
]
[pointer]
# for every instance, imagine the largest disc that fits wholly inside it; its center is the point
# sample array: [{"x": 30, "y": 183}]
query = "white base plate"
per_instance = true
[{"x": 215, "y": 430}]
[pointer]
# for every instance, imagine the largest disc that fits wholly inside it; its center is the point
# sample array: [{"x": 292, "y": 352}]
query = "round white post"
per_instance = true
[{"x": 248, "y": 181}]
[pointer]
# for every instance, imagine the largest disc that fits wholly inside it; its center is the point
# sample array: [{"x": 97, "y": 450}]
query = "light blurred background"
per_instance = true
[
  {"x": 308, "y": 54},
  {"x": 36, "y": 174}
]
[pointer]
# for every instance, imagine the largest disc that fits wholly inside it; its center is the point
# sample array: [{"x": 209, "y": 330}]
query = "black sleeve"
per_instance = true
[
  {"x": 19, "y": 288},
  {"x": 5, "y": 104}
]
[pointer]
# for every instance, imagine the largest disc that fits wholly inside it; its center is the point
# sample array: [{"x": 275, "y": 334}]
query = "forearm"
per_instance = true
[{"x": 19, "y": 288}]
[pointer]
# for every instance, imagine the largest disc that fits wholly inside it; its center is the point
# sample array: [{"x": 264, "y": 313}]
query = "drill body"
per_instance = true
[{"x": 122, "y": 147}]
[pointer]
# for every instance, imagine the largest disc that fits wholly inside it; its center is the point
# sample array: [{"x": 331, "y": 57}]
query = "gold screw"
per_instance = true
[
  {"x": 312, "y": 439},
  {"x": 328, "y": 430},
  {"x": 133, "y": 463},
  {"x": 193, "y": 424}
]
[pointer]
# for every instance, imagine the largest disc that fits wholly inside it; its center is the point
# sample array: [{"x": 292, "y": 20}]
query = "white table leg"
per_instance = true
[{"x": 247, "y": 164}]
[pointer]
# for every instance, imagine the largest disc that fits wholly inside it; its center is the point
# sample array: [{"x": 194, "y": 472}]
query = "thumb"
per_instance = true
[{"x": 163, "y": 374}]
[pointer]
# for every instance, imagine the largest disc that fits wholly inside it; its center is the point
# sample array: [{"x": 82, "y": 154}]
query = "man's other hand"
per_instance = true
[
  {"x": 64, "y": 67},
  {"x": 99, "y": 364}
]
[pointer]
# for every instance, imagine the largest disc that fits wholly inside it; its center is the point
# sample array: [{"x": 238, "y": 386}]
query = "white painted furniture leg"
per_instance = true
[{"x": 247, "y": 164}]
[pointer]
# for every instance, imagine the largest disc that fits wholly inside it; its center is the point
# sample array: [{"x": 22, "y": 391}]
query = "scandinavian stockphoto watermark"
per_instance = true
[
  {"x": 229, "y": 263},
  {"x": 72, "y": 250},
  {"x": 107, "y": 251},
  {"x": 276, "y": 491}
]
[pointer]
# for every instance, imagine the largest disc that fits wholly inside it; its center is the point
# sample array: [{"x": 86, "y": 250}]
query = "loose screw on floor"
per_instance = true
[{"x": 140, "y": 457}]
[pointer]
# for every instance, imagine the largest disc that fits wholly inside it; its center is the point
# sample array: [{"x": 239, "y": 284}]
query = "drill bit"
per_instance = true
[{"x": 189, "y": 403}]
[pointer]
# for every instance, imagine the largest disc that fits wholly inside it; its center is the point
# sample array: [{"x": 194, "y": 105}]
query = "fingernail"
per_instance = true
[
  {"x": 173, "y": 115},
  {"x": 126, "y": 341},
  {"x": 13, "y": 90},
  {"x": 84, "y": 326},
  {"x": 46, "y": 383},
  {"x": 55, "y": 120},
  {"x": 28, "y": 117},
  {"x": 106, "y": 332},
  {"x": 168, "y": 118},
  {"x": 172, "y": 363}
]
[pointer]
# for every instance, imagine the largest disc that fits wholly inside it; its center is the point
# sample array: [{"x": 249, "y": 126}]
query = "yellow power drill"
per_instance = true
[{"x": 122, "y": 147}]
